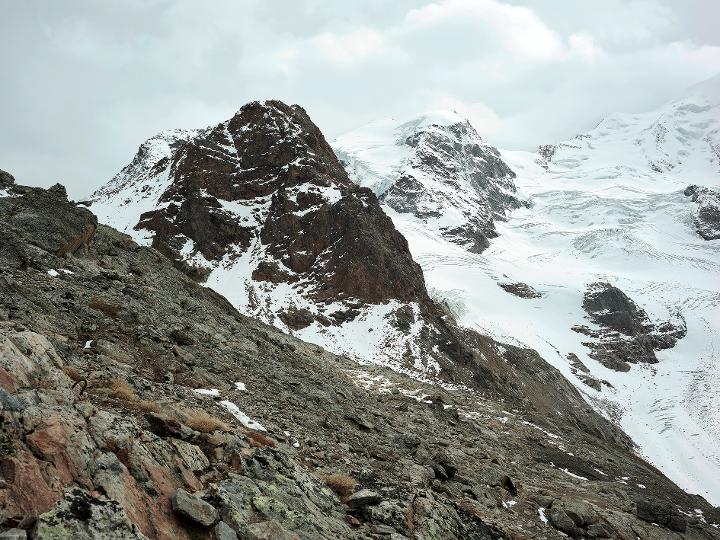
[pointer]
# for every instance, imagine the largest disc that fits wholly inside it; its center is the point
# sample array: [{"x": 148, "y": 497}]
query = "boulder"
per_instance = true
[
  {"x": 13, "y": 534},
  {"x": 193, "y": 508},
  {"x": 223, "y": 531},
  {"x": 269, "y": 530},
  {"x": 362, "y": 498},
  {"x": 662, "y": 513}
]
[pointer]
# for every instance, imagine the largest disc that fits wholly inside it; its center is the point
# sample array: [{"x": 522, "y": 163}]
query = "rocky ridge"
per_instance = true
[{"x": 137, "y": 403}]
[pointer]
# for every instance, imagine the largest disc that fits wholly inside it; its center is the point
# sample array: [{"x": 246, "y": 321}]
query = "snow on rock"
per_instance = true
[
  {"x": 240, "y": 386},
  {"x": 213, "y": 392},
  {"x": 541, "y": 514},
  {"x": 243, "y": 418},
  {"x": 53, "y": 273},
  {"x": 140, "y": 186}
]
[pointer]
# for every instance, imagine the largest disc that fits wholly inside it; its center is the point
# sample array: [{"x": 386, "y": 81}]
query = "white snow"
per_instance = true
[
  {"x": 214, "y": 392},
  {"x": 541, "y": 513},
  {"x": 240, "y": 386},
  {"x": 571, "y": 474},
  {"x": 243, "y": 418},
  {"x": 139, "y": 187},
  {"x": 53, "y": 273},
  {"x": 88, "y": 344}
]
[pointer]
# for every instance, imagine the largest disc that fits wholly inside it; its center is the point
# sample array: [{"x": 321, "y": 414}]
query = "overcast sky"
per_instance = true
[{"x": 85, "y": 82}]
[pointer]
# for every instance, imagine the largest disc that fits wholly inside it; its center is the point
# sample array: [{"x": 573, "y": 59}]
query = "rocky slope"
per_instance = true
[
  {"x": 139, "y": 404},
  {"x": 436, "y": 168},
  {"x": 609, "y": 206}
]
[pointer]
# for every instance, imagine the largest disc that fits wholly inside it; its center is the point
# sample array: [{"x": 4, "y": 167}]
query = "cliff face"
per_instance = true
[{"x": 137, "y": 403}]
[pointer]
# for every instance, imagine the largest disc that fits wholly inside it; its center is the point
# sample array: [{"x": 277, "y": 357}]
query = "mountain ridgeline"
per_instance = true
[{"x": 248, "y": 333}]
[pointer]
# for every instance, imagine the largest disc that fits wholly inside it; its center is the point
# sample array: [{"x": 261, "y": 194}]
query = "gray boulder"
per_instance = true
[{"x": 194, "y": 508}]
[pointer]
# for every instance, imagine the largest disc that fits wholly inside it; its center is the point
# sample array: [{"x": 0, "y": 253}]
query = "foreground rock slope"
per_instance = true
[{"x": 139, "y": 404}]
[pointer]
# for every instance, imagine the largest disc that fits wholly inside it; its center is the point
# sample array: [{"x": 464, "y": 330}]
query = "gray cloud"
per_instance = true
[{"x": 85, "y": 82}]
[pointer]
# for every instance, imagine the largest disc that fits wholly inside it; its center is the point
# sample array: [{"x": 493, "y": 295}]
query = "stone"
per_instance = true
[
  {"x": 362, "y": 498},
  {"x": 80, "y": 516},
  {"x": 13, "y": 534},
  {"x": 562, "y": 522},
  {"x": 269, "y": 530},
  {"x": 580, "y": 512},
  {"x": 165, "y": 426},
  {"x": 194, "y": 508},
  {"x": 223, "y": 531}
]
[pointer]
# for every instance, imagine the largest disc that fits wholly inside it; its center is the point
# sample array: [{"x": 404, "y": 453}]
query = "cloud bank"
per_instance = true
[{"x": 86, "y": 82}]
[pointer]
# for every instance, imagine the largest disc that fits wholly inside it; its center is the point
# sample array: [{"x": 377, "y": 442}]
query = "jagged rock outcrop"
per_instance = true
[
  {"x": 626, "y": 335},
  {"x": 124, "y": 381},
  {"x": 707, "y": 215},
  {"x": 437, "y": 168}
]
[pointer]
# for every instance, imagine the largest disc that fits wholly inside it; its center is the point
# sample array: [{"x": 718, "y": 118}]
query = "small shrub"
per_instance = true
[
  {"x": 260, "y": 439},
  {"x": 342, "y": 484},
  {"x": 108, "y": 308},
  {"x": 144, "y": 405},
  {"x": 120, "y": 389},
  {"x": 200, "y": 420}
]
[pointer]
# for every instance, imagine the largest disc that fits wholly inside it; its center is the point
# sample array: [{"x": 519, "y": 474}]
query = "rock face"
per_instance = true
[
  {"x": 80, "y": 516},
  {"x": 437, "y": 168},
  {"x": 707, "y": 216},
  {"x": 62, "y": 228},
  {"x": 626, "y": 335},
  {"x": 102, "y": 422}
]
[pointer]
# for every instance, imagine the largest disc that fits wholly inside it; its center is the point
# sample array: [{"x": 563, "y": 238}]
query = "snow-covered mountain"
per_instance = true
[
  {"x": 611, "y": 254},
  {"x": 437, "y": 168},
  {"x": 259, "y": 208}
]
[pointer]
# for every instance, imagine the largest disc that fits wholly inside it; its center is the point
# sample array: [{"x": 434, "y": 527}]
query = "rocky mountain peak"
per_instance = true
[
  {"x": 260, "y": 209},
  {"x": 437, "y": 168}
]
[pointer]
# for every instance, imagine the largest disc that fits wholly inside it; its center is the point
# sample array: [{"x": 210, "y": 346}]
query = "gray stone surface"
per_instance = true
[{"x": 194, "y": 508}]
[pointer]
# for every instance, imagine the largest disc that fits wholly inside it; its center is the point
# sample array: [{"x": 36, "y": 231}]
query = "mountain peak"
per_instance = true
[{"x": 436, "y": 167}]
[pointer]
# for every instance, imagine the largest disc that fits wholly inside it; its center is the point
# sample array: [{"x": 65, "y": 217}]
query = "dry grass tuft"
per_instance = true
[
  {"x": 120, "y": 389},
  {"x": 260, "y": 439},
  {"x": 108, "y": 308},
  {"x": 73, "y": 373},
  {"x": 342, "y": 484},
  {"x": 200, "y": 420}
]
